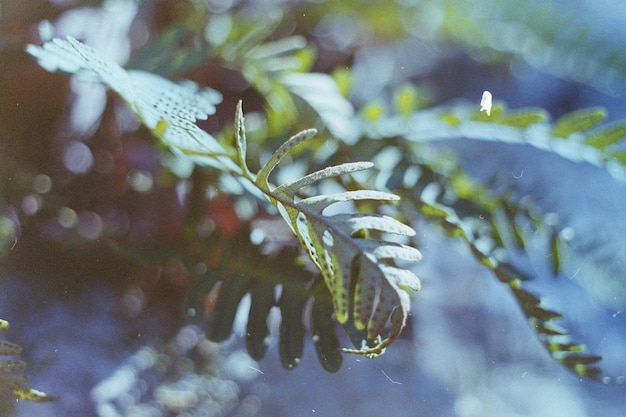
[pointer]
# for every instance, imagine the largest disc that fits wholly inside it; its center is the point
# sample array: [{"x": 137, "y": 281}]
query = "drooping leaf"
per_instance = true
[
  {"x": 274, "y": 282},
  {"x": 257, "y": 330},
  {"x": 232, "y": 290},
  {"x": 326, "y": 343},
  {"x": 291, "y": 343}
]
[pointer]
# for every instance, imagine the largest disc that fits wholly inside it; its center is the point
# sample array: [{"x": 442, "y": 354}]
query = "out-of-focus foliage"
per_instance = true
[
  {"x": 12, "y": 383},
  {"x": 189, "y": 375},
  {"x": 300, "y": 67}
]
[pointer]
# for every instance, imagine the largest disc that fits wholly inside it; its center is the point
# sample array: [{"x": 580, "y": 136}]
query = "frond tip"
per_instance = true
[{"x": 368, "y": 289}]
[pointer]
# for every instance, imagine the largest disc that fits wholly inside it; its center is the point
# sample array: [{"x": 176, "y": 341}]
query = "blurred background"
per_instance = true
[{"x": 107, "y": 334}]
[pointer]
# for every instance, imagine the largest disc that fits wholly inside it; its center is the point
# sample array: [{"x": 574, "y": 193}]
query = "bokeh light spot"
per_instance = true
[
  {"x": 90, "y": 225},
  {"x": 141, "y": 181},
  {"x": 42, "y": 183},
  {"x": 31, "y": 204},
  {"x": 67, "y": 217},
  {"x": 78, "y": 158}
]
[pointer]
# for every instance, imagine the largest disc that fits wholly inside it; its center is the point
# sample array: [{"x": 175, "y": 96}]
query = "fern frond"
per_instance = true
[
  {"x": 578, "y": 121},
  {"x": 492, "y": 225},
  {"x": 366, "y": 287},
  {"x": 15, "y": 384},
  {"x": 280, "y": 70},
  {"x": 168, "y": 109},
  {"x": 489, "y": 228},
  {"x": 585, "y": 141},
  {"x": 274, "y": 281}
]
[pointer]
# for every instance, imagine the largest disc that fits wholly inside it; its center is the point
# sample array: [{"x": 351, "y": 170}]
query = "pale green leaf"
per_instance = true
[
  {"x": 30, "y": 394},
  {"x": 608, "y": 136},
  {"x": 168, "y": 109},
  {"x": 320, "y": 202},
  {"x": 280, "y": 153},
  {"x": 577, "y": 121},
  {"x": 322, "y": 94},
  {"x": 290, "y": 188},
  {"x": 353, "y": 222},
  {"x": 388, "y": 250},
  {"x": 240, "y": 140}
]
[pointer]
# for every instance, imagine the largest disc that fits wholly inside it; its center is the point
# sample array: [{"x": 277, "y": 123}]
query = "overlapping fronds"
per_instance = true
[
  {"x": 281, "y": 71},
  {"x": 368, "y": 289},
  {"x": 272, "y": 282},
  {"x": 492, "y": 224},
  {"x": 360, "y": 255}
]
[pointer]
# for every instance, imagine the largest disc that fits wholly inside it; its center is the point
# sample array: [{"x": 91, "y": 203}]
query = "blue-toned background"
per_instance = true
[{"x": 468, "y": 351}]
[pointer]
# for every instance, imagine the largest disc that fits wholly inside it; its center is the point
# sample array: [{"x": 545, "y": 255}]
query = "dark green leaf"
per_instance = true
[
  {"x": 322, "y": 327},
  {"x": 232, "y": 290},
  {"x": 291, "y": 327},
  {"x": 257, "y": 332}
]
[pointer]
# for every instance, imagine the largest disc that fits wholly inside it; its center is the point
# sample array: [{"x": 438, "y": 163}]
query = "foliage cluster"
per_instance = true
[{"x": 356, "y": 241}]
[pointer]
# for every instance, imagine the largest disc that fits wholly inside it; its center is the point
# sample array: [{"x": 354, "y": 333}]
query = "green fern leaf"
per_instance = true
[
  {"x": 367, "y": 290},
  {"x": 257, "y": 331},
  {"x": 520, "y": 118},
  {"x": 522, "y": 127},
  {"x": 291, "y": 342},
  {"x": 577, "y": 121},
  {"x": 231, "y": 292},
  {"x": 498, "y": 224},
  {"x": 607, "y": 136},
  {"x": 540, "y": 318}
]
